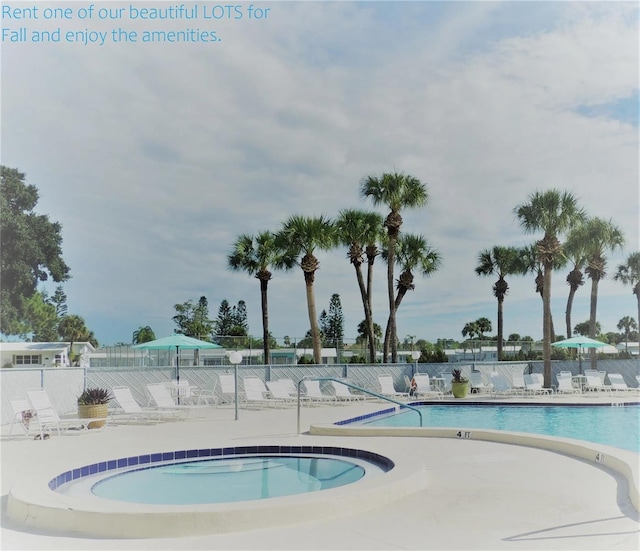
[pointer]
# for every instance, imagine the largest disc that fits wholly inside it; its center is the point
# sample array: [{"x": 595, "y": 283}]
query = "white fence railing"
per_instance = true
[{"x": 64, "y": 384}]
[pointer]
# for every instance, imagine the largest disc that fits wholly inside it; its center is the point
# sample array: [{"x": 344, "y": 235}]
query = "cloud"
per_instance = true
[{"x": 156, "y": 157}]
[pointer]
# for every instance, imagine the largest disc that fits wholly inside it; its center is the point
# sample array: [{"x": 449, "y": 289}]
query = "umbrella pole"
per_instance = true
[
  {"x": 178, "y": 372},
  {"x": 580, "y": 358}
]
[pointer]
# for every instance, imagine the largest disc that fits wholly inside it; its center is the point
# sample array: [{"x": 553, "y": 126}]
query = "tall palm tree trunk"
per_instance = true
[
  {"x": 313, "y": 318},
  {"x": 592, "y": 319},
  {"x": 387, "y": 334},
  {"x": 546, "y": 325},
  {"x": 265, "y": 321},
  {"x": 370, "y": 262},
  {"x": 636, "y": 291},
  {"x": 367, "y": 313},
  {"x": 391, "y": 324},
  {"x": 370, "y": 330},
  {"x": 500, "y": 326},
  {"x": 567, "y": 315}
]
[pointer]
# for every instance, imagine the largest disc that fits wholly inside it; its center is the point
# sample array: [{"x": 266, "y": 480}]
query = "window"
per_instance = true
[{"x": 27, "y": 359}]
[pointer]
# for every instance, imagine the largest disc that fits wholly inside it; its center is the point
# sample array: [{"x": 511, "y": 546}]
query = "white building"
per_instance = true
[
  {"x": 43, "y": 354},
  {"x": 633, "y": 348},
  {"x": 292, "y": 355}
]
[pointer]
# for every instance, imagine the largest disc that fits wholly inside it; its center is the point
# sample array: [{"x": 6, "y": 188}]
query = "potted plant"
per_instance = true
[
  {"x": 94, "y": 402},
  {"x": 459, "y": 384}
]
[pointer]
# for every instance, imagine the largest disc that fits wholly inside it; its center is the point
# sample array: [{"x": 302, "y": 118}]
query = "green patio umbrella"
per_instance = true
[
  {"x": 579, "y": 343},
  {"x": 177, "y": 341}
]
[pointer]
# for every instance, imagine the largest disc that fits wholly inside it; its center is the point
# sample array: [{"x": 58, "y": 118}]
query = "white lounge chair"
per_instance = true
[
  {"x": 22, "y": 415},
  {"x": 501, "y": 386},
  {"x": 227, "y": 388},
  {"x": 594, "y": 382},
  {"x": 161, "y": 397},
  {"x": 48, "y": 419},
  {"x": 292, "y": 390},
  {"x": 478, "y": 386},
  {"x": 534, "y": 386},
  {"x": 206, "y": 396},
  {"x": 290, "y": 386},
  {"x": 257, "y": 394},
  {"x": 618, "y": 383},
  {"x": 388, "y": 389},
  {"x": 424, "y": 388},
  {"x": 517, "y": 382},
  {"x": 257, "y": 383},
  {"x": 279, "y": 391},
  {"x": 133, "y": 412},
  {"x": 540, "y": 378},
  {"x": 565, "y": 384},
  {"x": 315, "y": 395},
  {"x": 343, "y": 393}
]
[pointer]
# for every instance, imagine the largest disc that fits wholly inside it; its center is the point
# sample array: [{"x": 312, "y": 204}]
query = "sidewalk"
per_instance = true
[{"x": 479, "y": 495}]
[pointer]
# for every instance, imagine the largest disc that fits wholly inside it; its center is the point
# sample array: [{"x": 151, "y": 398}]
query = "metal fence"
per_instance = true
[{"x": 64, "y": 385}]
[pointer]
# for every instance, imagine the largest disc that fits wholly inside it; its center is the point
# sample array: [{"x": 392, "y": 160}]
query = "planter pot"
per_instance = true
[
  {"x": 459, "y": 390},
  {"x": 91, "y": 411}
]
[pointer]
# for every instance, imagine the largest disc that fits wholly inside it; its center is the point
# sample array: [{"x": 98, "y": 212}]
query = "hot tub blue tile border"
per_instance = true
[{"x": 114, "y": 464}]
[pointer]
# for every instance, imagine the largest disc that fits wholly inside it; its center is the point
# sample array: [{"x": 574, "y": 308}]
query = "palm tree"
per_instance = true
[
  {"x": 143, "y": 334},
  {"x": 574, "y": 250},
  {"x": 255, "y": 255},
  {"x": 484, "y": 326},
  {"x": 354, "y": 229},
  {"x": 363, "y": 334},
  {"x": 396, "y": 191},
  {"x": 629, "y": 274},
  {"x": 372, "y": 251},
  {"x": 470, "y": 330},
  {"x": 627, "y": 324},
  {"x": 73, "y": 329},
  {"x": 599, "y": 237},
  {"x": 500, "y": 262},
  {"x": 412, "y": 252},
  {"x": 301, "y": 234},
  {"x": 529, "y": 263},
  {"x": 555, "y": 213},
  {"x": 583, "y": 328}
]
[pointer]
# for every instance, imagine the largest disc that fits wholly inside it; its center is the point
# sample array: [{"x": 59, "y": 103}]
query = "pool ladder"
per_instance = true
[{"x": 355, "y": 387}]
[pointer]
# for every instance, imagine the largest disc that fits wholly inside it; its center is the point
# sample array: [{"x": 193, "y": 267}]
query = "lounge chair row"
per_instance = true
[
  {"x": 36, "y": 416},
  {"x": 520, "y": 384}
]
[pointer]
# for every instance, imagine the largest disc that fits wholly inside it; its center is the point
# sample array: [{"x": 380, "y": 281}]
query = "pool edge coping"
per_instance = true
[
  {"x": 623, "y": 462},
  {"x": 32, "y": 504}
]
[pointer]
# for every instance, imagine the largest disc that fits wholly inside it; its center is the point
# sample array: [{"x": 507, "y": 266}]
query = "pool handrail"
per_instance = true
[{"x": 355, "y": 387}]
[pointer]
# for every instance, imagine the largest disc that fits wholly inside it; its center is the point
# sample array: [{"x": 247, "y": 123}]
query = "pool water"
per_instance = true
[
  {"x": 611, "y": 426},
  {"x": 228, "y": 480}
]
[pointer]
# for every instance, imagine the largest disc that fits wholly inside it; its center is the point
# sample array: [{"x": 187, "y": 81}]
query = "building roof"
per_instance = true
[{"x": 42, "y": 346}]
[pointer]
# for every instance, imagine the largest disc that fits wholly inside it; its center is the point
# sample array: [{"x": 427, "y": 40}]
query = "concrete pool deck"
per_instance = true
[{"x": 478, "y": 495}]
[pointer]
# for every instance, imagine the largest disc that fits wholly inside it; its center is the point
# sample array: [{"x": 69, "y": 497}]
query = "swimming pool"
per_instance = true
[
  {"x": 241, "y": 478},
  {"x": 612, "y": 426},
  {"x": 64, "y": 502}
]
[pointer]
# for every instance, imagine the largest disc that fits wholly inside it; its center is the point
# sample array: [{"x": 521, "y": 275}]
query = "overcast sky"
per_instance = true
[{"x": 155, "y": 157}]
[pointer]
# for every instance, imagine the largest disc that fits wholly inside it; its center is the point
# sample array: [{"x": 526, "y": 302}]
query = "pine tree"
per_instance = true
[
  {"x": 193, "y": 320},
  {"x": 334, "y": 330},
  {"x": 240, "y": 325},
  {"x": 224, "y": 321}
]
